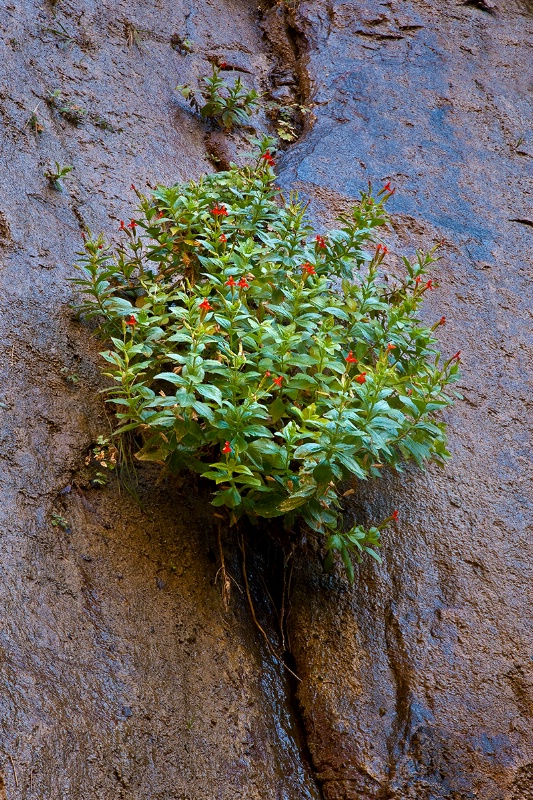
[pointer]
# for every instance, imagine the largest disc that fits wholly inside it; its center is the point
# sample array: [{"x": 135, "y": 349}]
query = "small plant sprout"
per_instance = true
[
  {"x": 132, "y": 34},
  {"x": 57, "y": 175},
  {"x": 227, "y": 105},
  {"x": 103, "y": 458},
  {"x": 71, "y": 377},
  {"x": 277, "y": 361},
  {"x": 72, "y": 112},
  {"x": 33, "y": 122},
  {"x": 58, "y": 521},
  {"x": 181, "y": 44}
]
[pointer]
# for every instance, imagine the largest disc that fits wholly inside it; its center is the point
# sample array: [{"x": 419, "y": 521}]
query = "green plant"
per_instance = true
[
  {"x": 132, "y": 34},
  {"x": 227, "y": 105},
  {"x": 275, "y": 362},
  {"x": 182, "y": 44},
  {"x": 71, "y": 377},
  {"x": 33, "y": 122},
  {"x": 57, "y": 175},
  {"x": 72, "y": 112},
  {"x": 103, "y": 456},
  {"x": 63, "y": 36},
  {"x": 287, "y": 118},
  {"x": 59, "y": 521}
]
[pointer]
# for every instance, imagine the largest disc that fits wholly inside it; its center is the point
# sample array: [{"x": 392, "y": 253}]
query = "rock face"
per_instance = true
[
  {"x": 419, "y": 683},
  {"x": 120, "y": 674}
]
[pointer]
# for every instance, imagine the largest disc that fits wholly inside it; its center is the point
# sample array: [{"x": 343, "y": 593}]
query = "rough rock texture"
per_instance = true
[
  {"x": 419, "y": 683},
  {"x": 120, "y": 675}
]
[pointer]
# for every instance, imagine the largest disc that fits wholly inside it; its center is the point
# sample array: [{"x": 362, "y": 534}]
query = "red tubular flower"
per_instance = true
[
  {"x": 418, "y": 279},
  {"x": 222, "y": 65},
  {"x": 231, "y": 282},
  {"x": 361, "y": 378},
  {"x": 219, "y": 211},
  {"x": 456, "y": 357},
  {"x": 350, "y": 358},
  {"x": 131, "y": 321},
  {"x": 227, "y": 448},
  {"x": 222, "y": 238},
  {"x": 391, "y": 346},
  {"x": 308, "y": 268},
  {"x": 267, "y": 158},
  {"x": 387, "y": 187},
  {"x": 267, "y": 374},
  {"x": 161, "y": 214},
  {"x": 429, "y": 285},
  {"x": 442, "y": 321},
  {"x": 278, "y": 380},
  {"x": 132, "y": 187},
  {"x": 243, "y": 284},
  {"x": 132, "y": 224},
  {"x": 395, "y": 515},
  {"x": 382, "y": 249},
  {"x": 320, "y": 242},
  {"x": 205, "y": 305},
  {"x": 122, "y": 227}
]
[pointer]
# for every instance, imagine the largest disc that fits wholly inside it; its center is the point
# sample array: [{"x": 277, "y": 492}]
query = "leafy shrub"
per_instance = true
[
  {"x": 227, "y": 105},
  {"x": 275, "y": 362}
]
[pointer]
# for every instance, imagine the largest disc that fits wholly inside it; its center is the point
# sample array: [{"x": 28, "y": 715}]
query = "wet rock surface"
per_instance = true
[
  {"x": 120, "y": 675},
  {"x": 418, "y": 683}
]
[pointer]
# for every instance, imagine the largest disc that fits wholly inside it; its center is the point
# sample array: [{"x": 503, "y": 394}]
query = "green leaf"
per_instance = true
[
  {"x": 308, "y": 449},
  {"x": 277, "y": 409},
  {"x": 210, "y": 392},
  {"x": 322, "y": 473},
  {"x": 347, "y": 561}
]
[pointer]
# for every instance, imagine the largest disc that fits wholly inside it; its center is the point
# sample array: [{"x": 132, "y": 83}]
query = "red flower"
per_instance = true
[
  {"x": 161, "y": 214},
  {"x": 418, "y": 279},
  {"x": 308, "y": 268},
  {"x": 361, "y": 378},
  {"x": 205, "y": 304},
  {"x": 131, "y": 320},
  {"x": 456, "y": 357},
  {"x": 442, "y": 321},
  {"x": 226, "y": 448},
  {"x": 231, "y": 282},
  {"x": 243, "y": 284},
  {"x": 222, "y": 65},
  {"x": 267, "y": 374},
  {"x": 222, "y": 238},
  {"x": 381, "y": 248},
  {"x": 350, "y": 358},
  {"x": 391, "y": 346},
  {"x": 387, "y": 188},
  {"x": 132, "y": 224},
  {"x": 132, "y": 187},
  {"x": 267, "y": 158},
  {"x": 278, "y": 380},
  {"x": 394, "y": 515},
  {"x": 429, "y": 285},
  {"x": 320, "y": 242},
  {"x": 122, "y": 227},
  {"x": 219, "y": 211}
]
